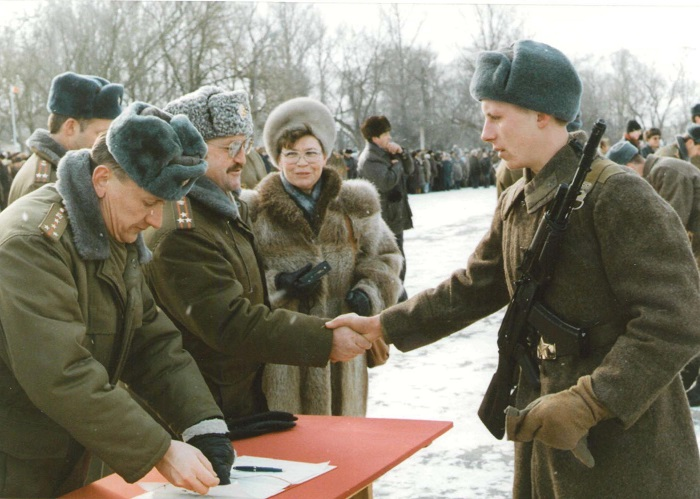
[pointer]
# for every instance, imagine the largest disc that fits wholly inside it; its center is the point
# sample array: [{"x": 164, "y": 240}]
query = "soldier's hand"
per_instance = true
[
  {"x": 347, "y": 344},
  {"x": 369, "y": 327},
  {"x": 560, "y": 420},
  {"x": 185, "y": 466}
]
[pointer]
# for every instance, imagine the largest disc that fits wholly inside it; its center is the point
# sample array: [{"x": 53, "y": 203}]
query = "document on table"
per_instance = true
[{"x": 246, "y": 485}]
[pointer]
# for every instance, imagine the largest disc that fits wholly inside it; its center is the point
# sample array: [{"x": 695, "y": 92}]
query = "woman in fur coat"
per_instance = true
[{"x": 305, "y": 215}]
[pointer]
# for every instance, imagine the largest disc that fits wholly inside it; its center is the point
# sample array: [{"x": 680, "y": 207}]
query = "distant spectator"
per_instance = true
[
  {"x": 633, "y": 131},
  {"x": 350, "y": 163},
  {"x": 695, "y": 114},
  {"x": 652, "y": 141},
  {"x": 266, "y": 159},
  {"x": 447, "y": 168},
  {"x": 337, "y": 162},
  {"x": 253, "y": 171},
  {"x": 386, "y": 164},
  {"x": 685, "y": 147}
]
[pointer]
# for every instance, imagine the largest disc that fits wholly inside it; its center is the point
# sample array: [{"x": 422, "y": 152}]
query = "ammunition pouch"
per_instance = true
[{"x": 559, "y": 338}]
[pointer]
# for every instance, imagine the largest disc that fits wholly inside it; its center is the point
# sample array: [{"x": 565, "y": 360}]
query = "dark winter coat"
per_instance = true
[
  {"x": 678, "y": 182},
  {"x": 208, "y": 278},
  {"x": 362, "y": 252},
  {"x": 75, "y": 317},
  {"x": 389, "y": 175},
  {"x": 40, "y": 168},
  {"x": 625, "y": 265}
]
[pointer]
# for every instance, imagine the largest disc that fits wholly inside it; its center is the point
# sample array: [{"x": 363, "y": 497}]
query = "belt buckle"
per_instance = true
[{"x": 546, "y": 351}]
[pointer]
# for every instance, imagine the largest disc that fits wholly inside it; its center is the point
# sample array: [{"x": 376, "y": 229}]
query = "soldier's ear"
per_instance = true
[
  {"x": 544, "y": 119},
  {"x": 100, "y": 179}
]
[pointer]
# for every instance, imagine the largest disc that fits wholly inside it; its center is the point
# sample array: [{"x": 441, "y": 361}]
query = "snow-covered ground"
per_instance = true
[{"x": 446, "y": 380}]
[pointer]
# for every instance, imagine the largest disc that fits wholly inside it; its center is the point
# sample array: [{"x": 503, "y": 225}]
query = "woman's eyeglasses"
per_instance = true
[{"x": 293, "y": 157}]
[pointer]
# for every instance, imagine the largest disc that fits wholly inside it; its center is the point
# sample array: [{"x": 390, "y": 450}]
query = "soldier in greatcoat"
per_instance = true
[
  {"x": 626, "y": 273},
  {"x": 81, "y": 107},
  {"x": 76, "y": 318},
  {"x": 678, "y": 182},
  {"x": 685, "y": 147}
]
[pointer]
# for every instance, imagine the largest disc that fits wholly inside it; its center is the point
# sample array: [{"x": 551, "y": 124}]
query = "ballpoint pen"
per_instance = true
[{"x": 257, "y": 469}]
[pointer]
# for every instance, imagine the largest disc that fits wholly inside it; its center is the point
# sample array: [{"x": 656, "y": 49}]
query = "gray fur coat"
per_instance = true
[{"x": 362, "y": 252}]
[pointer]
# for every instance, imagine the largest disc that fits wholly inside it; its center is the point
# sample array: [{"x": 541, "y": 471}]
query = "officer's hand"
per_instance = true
[
  {"x": 289, "y": 281},
  {"x": 359, "y": 302},
  {"x": 369, "y": 327},
  {"x": 218, "y": 449},
  {"x": 185, "y": 466},
  {"x": 347, "y": 344},
  {"x": 560, "y": 420}
]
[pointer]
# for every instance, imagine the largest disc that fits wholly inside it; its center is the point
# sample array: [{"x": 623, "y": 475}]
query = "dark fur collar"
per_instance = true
[
  {"x": 281, "y": 207},
  {"x": 41, "y": 143},
  {"x": 205, "y": 191},
  {"x": 89, "y": 230}
]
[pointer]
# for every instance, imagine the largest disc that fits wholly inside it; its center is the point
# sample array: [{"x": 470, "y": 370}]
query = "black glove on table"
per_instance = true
[
  {"x": 359, "y": 302},
  {"x": 259, "y": 424},
  {"x": 218, "y": 449}
]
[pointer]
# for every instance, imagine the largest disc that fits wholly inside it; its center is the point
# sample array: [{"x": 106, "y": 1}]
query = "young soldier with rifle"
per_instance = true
[{"x": 610, "y": 315}]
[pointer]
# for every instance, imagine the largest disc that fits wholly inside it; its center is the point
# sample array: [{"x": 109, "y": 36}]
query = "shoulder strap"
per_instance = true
[
  {"x": 601, "y": 171},
  {"x": 184, "y": 218},
  {"x": 42, "y": 174},
  {"x": 55, "y": 222}
]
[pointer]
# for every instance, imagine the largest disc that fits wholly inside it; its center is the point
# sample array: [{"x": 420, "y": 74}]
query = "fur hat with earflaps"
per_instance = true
[
  {"x": 162, "y": 153},
  {"x": 622, "y": 152},
  {"x": 531, "y": 75},
  {"x": 215, "y": 112},
  {"x": 84, "y": 96},
  {"x": 299, "y": 112}
]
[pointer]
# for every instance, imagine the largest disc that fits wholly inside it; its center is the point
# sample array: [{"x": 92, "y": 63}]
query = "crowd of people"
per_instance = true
[{"x": 185, "y": 286}]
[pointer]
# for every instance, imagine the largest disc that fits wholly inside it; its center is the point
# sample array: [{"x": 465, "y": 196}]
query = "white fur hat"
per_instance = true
[{"x": 299, "y": 112}]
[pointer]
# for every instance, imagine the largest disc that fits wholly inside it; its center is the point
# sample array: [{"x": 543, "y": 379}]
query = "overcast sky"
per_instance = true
[{"x": 663, "y": 35}]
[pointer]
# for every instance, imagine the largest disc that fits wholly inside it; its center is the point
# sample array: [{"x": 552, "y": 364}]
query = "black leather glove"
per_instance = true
[
  {"x": 259, "y": 424},
  {"x": 218, "y": 449},
  {"x": 359, "y": 302},
  {"x": 289, "y": 281}
]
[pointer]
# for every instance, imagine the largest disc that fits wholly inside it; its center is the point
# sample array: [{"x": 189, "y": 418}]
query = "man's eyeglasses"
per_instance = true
[
  {"x": 293, "y": 157},
  {"x": 235, "y": 147}
]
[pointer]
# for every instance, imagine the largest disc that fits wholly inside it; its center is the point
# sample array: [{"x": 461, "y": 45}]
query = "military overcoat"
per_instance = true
[
  {"x": 208, "y": 278},
  {"x": 75, "y": 317},
  {"x": 627, "y": 273},
  {"x": 678, "y": 182},
  {"x": 40, "y": 167},
  {"x": 348, "y": 232}
]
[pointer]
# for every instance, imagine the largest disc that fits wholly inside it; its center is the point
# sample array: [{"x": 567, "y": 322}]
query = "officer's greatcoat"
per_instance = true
[
  {"x": 207, "y": 277},
  {"x": 75, "y": 317}
]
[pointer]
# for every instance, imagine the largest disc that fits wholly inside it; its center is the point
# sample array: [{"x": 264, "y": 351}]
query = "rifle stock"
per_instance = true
[{"x": 515, "y": 336}]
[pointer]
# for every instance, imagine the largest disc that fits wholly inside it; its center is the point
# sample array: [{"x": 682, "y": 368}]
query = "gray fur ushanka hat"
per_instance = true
[
  {"x": 530, "y": 74},
  {"x": 299, "y": 112},
  {"x": 215, "y": 112},
  {"x": 162, "y": 153},
  {"x": 622, "y": 152},
  {"x": 84, "y": 96}
]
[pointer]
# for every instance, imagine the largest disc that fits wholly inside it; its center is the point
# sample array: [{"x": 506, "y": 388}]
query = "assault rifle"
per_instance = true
[{"x": 516, "y": 336}]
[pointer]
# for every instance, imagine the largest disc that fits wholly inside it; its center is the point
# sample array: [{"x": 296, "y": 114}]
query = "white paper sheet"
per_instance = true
[{"x": 247, "y": 485}]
